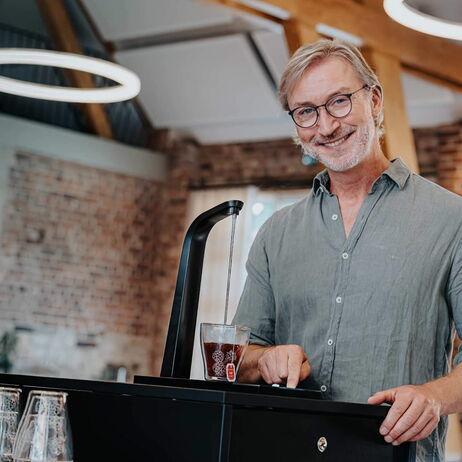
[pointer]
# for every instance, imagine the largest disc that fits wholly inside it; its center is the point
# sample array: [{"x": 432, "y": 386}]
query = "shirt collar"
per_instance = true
[{"x": 398, "y": 172}]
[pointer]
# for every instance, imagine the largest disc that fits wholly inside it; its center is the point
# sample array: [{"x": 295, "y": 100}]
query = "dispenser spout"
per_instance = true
[{"x": 180, "y": 338}]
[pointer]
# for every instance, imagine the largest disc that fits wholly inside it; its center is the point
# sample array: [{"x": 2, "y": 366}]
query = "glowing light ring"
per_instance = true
[
  {"x": 129, "y": 83},
  {"x": 410, "y": 17}
]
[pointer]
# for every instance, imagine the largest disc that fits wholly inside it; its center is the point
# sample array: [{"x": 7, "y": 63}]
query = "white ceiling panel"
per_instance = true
[
  {"x": 432, "y": 116},
  {"x": 260, "y": 130},
  {"x": 421, "y": 92},
  {"x": 428, "y": 104},
  {"x": 273, "y": 47},
  {"x": 200, "y": 82},
  {"x": 123, "y": 19}
]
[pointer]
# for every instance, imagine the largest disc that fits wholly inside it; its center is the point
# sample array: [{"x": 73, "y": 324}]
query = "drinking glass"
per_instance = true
[
  {"x": 223, "y": 347},
  {"x": 44, "y": 433},
  {"x": 9, "y": 413}
]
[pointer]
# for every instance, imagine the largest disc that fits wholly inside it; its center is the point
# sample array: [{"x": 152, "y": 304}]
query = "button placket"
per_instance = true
[
  {"x": 332, "y": 334},
  {"x": 345, "y": 247}
]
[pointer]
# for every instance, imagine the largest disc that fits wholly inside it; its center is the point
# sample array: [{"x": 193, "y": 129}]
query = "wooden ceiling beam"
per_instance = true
[
  {"x": 60, "y": 27},
  {"x": 375, "y": 4},
  {"x": 431, "y": 55},
  {"x": 296, "y": 33}
]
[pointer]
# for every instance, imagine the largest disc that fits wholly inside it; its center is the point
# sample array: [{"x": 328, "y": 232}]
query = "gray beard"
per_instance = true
[{"x": 360, "y": 151}]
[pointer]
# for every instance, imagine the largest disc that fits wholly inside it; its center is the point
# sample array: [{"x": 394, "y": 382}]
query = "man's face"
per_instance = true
[{"x": 339, "y": 143}]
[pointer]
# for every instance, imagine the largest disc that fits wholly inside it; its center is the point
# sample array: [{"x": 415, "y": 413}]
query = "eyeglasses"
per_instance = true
[{"x": 338, "y": 106}]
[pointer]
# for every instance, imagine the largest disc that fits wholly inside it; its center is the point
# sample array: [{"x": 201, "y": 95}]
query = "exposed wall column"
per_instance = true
[{"x": 399, "y": 140}]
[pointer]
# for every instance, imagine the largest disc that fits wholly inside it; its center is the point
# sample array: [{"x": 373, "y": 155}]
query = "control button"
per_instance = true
[
  {"x": 334, "y": 217},
  {"x": 330, "y": 342},
  {"x": 338, "y": 299},
  {"x": 323, "y": 388},
  {"x": 345, "y": 255}
]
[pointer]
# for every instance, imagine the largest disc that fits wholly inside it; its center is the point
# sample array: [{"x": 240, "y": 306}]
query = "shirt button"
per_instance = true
[
  {"x": 345, "y": 255},
  {"x": 330, "y": 342},
  {"x": 323, "y": 388},
  {"x": 334, "y": 216},
  {"x": 338, "y": 299}
]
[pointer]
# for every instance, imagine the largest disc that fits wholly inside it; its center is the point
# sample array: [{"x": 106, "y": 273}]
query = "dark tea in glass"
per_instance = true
[{"x": 223, "y": 347}]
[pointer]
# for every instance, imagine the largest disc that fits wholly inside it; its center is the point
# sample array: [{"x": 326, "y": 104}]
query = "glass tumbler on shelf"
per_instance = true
[
  {"x": 9, "y": 416},
  {"x": 44, "y": 432}
]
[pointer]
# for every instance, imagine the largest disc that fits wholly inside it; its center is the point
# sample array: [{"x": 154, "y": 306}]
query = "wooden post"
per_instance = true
[
  {"x": 298, "y": 34},
  {"x": 399, "y": 139}
]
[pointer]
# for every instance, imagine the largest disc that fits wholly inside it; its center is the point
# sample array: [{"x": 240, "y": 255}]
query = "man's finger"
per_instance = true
[
  {"x": 418, "y": 426},
  {"x": 294, "y": 364},
  {"x": 282, "y": 365},
  {"x": 398, "y": 408},
  {"x": 426, "y": 431},
  {"x": 305, "y": 370},
  {"x": 385, "y": 396},
  {"x": 265, "y": 373},
  {"x": 407, "y": 420}
]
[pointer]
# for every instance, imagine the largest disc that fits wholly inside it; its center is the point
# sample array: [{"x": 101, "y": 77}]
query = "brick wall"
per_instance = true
[
  {"x": 77, "y": 255},
  {"x": 449, "y": 162}
]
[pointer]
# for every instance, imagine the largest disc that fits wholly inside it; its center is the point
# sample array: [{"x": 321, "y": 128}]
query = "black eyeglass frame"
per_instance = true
[{"x": 316, "y": 108}]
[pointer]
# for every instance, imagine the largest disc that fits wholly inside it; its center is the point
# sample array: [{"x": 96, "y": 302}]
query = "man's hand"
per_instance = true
[
  {"x": 283, "y": 363},
  {"x": 414, "y": 414}
]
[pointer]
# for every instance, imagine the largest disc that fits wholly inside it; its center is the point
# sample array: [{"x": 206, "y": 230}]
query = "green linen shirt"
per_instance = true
[{"x": 372, "y": 311}]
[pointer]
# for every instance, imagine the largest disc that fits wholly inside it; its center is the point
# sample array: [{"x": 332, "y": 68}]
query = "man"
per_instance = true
[{"x": 357, "y": 288}]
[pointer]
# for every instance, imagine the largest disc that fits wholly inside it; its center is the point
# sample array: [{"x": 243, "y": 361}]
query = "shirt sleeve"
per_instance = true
[
  {"x": 256, "y": 307},
  {"x": 455, "y": 296}
]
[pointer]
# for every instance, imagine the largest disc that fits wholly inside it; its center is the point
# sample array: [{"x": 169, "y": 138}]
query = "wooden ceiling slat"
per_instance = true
[{"x": 60, "y": 27}]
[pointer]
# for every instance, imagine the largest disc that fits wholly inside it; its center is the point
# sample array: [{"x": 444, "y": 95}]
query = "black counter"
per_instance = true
[{"x": 178, "y": 420}]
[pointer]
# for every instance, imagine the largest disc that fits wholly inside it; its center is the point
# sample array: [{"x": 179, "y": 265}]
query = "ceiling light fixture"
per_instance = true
[
  {"x": 129, "y": 83},
  {"x": 414, "y": 19}
]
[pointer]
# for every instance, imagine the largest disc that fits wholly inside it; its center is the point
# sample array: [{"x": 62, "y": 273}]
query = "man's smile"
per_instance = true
[{"x": 337, "y": 142}]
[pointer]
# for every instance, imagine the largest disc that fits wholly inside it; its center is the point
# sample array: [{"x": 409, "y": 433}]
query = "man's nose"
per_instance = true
[{"x": 327, "y": 124}]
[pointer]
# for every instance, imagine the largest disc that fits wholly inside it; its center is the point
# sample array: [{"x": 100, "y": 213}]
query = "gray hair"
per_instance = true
[{"x": 307, "y": 55}]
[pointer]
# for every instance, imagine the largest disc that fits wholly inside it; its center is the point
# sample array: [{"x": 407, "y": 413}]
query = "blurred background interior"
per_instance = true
[{"x": 95, "y": 198}]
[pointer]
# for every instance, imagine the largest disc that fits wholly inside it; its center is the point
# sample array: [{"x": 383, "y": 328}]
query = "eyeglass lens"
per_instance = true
[{"x": 338, "y": 106}]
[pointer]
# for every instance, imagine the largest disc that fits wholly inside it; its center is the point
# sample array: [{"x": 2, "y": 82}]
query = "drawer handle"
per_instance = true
[{"x": 322, "y": 444}]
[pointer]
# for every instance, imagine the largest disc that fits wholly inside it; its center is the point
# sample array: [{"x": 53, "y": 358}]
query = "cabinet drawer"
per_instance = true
[{"x": 273, "y": 436}]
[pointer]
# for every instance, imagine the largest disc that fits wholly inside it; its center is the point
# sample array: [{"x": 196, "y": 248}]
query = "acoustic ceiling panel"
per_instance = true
[
  {"x": 428, "y": 104},
  {"x": 122, "y": 19},
  {"x": 237, "y": 132},
  {"x": 273, "y": 47},
  {"x": 202, "y": 82}
]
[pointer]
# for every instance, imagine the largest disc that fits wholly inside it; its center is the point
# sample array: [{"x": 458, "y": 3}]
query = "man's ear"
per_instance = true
[{"x": 376, "y": 101}]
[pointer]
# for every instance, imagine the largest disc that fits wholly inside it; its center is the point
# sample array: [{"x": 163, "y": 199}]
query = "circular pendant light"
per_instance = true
[
  {"x": 129, "y": 83},
  {"x": 410, "y": 17}
]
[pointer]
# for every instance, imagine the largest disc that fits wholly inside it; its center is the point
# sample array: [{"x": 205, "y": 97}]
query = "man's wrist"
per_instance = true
[{"x": 443, "y": 391}]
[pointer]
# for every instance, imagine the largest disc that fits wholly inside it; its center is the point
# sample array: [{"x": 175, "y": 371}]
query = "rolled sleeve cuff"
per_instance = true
[{"x": 458, "y": 358}]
